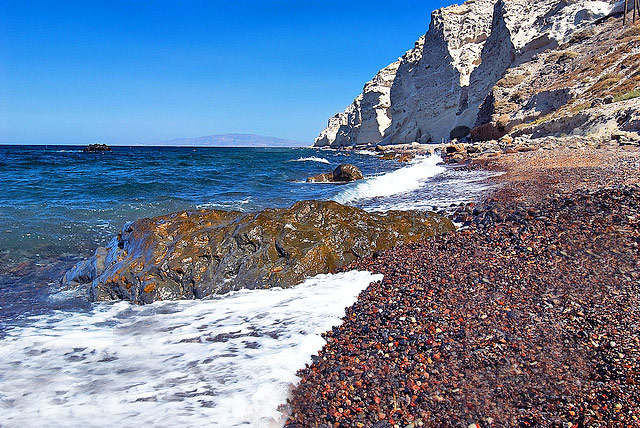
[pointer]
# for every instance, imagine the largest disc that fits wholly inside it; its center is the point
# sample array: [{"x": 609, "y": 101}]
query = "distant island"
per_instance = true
[{"x": 231, "y": 140}]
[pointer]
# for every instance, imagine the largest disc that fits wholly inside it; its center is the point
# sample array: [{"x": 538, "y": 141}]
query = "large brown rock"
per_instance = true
[
  {"x": 193, "y": 254},
  {"x": 344, "y": 173},
  {"x": 347, "y": 172},
  {"x": 488, "y": 131}
]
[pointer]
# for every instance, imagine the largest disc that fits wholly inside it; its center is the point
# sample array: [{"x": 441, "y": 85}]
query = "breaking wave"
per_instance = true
[
  {"x": 403, "y": 180},
  {"x": 311, "y": 159}
]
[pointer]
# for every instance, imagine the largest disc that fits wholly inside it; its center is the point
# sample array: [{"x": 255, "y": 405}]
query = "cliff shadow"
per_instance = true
[{"x": 426, "y": 92}]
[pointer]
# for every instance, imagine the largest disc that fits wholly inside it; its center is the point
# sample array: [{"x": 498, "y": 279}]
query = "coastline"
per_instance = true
[
  {"x": 524, "y": 317},
  {"x": 44, "y": 337},
  {"x": 458, "y": 247},
  {"x": 514, "y": 175}
]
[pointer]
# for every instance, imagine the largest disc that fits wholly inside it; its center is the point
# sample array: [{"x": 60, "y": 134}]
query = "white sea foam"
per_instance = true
[
  {"x": 310, "y": 159},
  {"x": 227, "y": 205},
  {"x": 450, "y": 187},
  {"x": 225, "y": 362},
  {"x": 403, "y": 180},
  {"x": 367, "y": 152}
]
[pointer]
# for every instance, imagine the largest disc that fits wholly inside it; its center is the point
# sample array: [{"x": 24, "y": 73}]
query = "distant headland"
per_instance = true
[{"x": 231, "y": 140}]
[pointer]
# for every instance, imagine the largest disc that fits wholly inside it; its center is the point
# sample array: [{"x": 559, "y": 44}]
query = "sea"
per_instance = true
[{"x": 227, "y": 361}]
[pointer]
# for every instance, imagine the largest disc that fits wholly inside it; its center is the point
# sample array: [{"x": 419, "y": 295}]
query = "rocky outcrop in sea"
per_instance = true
[
  {"x": 492, "y": 67},
  {"x": 97, "y": 148},
  {"x": 194, "y": 254},
  {"x": 343, "y": 173}
]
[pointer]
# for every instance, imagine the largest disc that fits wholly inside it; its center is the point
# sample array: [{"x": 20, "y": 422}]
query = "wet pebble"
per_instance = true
[{"x": 527, "y": 317}]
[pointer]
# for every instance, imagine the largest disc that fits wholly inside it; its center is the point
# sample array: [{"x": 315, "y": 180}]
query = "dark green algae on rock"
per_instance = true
[{"x": 194, "y": 254}]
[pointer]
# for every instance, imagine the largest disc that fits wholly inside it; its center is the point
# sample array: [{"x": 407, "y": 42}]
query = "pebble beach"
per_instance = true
[{"x": 528, "y": 315}]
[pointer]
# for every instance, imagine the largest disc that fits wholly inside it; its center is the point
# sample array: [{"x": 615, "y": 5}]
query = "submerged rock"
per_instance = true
[
  {"x": 326, "y": 177},
  {"x": 194, "y": 254},
  {"x": 344, "y": 173}
]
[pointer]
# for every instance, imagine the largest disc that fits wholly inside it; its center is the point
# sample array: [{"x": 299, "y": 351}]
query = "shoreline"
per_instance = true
[
  {"x": 519, "y": 169},
  {"x": 524, "y": 324}
]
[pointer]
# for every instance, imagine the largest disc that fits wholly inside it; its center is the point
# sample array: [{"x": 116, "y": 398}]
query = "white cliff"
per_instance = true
[
  {"x": 367, "y": 118},
  {"x": 430, "y": 94},
  {"x": 446, "y": 80}
]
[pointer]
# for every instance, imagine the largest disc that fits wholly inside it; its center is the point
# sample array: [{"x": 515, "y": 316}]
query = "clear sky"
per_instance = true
[{"x": 130, "y": 72}]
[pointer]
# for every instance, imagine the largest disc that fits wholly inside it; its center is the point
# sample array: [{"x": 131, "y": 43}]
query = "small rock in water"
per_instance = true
[
  {"x": 343, "y": 173},
  {"x": 97, "y": 148},
  {"x": 347, "y": 172}
]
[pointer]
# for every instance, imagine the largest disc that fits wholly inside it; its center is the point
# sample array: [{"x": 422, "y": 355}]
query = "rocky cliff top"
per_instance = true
[{"x": 497, "y": 65}]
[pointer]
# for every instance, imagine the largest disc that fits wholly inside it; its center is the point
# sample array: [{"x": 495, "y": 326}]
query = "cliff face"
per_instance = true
[
  {"x": 367, "y": 118},
  {"x": 429, "y": 96},
  {"x": 580, "y": 78},
  {"x": 448, "y": 80}
]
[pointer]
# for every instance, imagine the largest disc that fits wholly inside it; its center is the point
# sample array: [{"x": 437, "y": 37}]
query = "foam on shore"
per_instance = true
[
  {"x": 403, "y": 180},
  {"x": 227, "y": 362},
  {"x": 311, "y": 159}
]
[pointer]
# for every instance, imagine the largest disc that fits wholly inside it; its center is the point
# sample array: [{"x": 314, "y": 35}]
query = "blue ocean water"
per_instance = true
[
  {"x": 57, "y": 199},
  {"x": 57, "y": 204}
]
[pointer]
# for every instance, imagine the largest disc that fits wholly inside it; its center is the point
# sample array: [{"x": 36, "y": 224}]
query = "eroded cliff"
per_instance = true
[{"x": 450, "y": 79}]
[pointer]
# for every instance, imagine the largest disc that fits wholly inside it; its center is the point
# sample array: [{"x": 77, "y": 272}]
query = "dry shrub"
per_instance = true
[
  {"x": 631, "y": 32},
  {"x": 560, "y": 56},
  {"x": 632, "y": 62},
  {"x": 624, "y": 49},
  {"x": 628, "y": 84},
  {"x": 578, "y": 108},
  {"x": 605, "y": 82},
  {"x": 504, "y": 107},
  {"x": 510, "y": 80},
  {"x": 538, "y": 121},
  {"x": 581, "y": 36},
  {"x": 627, "y": 96},
  {"x": 541, "y": 119}
]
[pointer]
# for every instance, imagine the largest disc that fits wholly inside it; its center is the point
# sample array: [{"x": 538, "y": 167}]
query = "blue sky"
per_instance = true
[{"x": 131, "y": 72}]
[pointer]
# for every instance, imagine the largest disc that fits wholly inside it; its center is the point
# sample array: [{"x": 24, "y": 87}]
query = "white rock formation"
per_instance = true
[
  {"x": 444, "y": 80},
  {"x": 429, "y": 96},
  {"x": 367, "y": 118}
]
